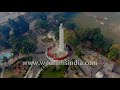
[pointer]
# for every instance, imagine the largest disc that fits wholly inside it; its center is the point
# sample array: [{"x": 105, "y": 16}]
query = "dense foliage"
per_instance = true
[
  {"x": 114, "y": 52},
  {"x": 19, "y": 27},
  {"x": 24, "y": 44}
]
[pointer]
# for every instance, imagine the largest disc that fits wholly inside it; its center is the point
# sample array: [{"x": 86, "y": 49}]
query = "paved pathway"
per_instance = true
[
  {"x": 6, "y": 15},
  {"x": 2, "y": 73}
]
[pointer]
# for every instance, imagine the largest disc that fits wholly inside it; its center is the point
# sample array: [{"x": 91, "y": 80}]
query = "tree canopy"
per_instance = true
[
  {"x": 98, "y": 40},
  {"x": 42, "y": 24},
  {"x": 70, "y": 37},
  {"x": 39, "y": 15},
  {"x": 70, "y": 25},
  {"x": 24, "y": 45},
  {"x": 20, "y": 26},
  {"x": 4, "y": 36},
  {"x": 4, "y": 30},
  {"x": 114, "y": 51}
]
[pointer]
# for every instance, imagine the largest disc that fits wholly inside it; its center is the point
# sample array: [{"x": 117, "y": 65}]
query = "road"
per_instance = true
[
  {"x": 4, "y": 16},
  {"x": 2, "y": 74},
  {"x": 36, "y": 69}
]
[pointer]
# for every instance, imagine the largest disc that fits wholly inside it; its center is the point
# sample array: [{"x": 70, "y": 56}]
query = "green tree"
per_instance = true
[
  {"x": 82, "y": 34},
  {"x": 56, "y": 31},
  {"x": 27, "y": 45},
  {"x": 23, "y": 44},
  {"x": 70, "y": 25},
  {"x": 114, "y": 51},
  {"x": 1, "y": 36},
  {"x": 39, "y": 15},
  {"x": 23, "y": 25},
  {"x": 15, "y": 42},
  {"x": 106, "y": 46},
  {"x": 74, "y": 42},
  {"x": 5, "y": 59},
  {"x": 20, "y": 26},
  {"x": 71, "y": 38},
  {"x": 5, "y": 44},
  {"x": 113, "y": 54},
  {"x": 68, "y": 14},
  {"x": 88, "y": 33},
  {"x": 78, "y": 52},
  {"x": 5, "y": 31},
  {"x": 60, "y": 18},
  {"x": 42, "y": 24},
  {"x": 4, "y": 36},
  {"x": 15, "y": 53},
  {"x": 98, "y": 41}
]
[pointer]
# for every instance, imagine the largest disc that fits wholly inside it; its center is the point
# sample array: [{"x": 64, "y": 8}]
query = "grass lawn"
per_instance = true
[
  {"x": 52, "y": 72},
  {"x": 8, "y": 73}
]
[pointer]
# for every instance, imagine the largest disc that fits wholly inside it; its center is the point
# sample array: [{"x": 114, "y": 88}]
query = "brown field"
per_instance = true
[{"x": 111, "y": 27}]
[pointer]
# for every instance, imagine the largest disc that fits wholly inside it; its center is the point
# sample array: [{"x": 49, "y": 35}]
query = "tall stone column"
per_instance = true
[{"x": 61, "y": 38}]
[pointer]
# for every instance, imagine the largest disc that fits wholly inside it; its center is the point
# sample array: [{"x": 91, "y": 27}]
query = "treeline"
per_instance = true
[
  {"x": 13, "y": 27},
  {"x": 52, "y": 23},
  {"x": 15, "y": 35},
  {"x": 24, "y": 44}
]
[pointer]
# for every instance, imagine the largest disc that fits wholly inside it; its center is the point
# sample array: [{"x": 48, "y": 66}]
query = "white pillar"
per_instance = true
[{"x": 61, "y": 38}]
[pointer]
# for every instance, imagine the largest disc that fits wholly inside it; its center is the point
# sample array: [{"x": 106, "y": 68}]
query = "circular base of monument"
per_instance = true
[{"x": 53, "y": 53}]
